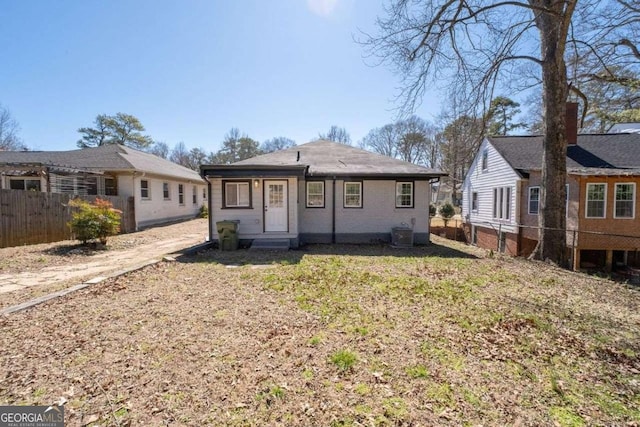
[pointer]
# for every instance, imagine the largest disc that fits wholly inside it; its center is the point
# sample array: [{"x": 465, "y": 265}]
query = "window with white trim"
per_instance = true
[
  {"x": 237, "y": 194},
  {"x": 485, "y": 159},
  {"x": 404, "y": 194},
  {"x": 474, "y": 201},
  {"x": 194, "y": 196},
  {"x": 534, "y": 200},
  {"x": 352, "y": 194},
  {"x": 625, "y": 200},
  {"x": 165, "y": 191},
  {"x": 596, "y": 200},
  {"x": 502, "y": 203},
  {"x": 144, "y": 189},
  {"x": 315, "y": 194}
]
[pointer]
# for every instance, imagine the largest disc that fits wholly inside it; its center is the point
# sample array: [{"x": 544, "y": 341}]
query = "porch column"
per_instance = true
[
  {"x": 608, "y": 264},
  {"x": 576, "y": 259}
]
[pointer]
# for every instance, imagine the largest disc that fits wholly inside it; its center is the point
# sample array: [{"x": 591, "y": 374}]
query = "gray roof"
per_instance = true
[
  {"x": 327, "y": 158},
  {"x": 597, "y": 153},
  {"x": 105, "y": 158}
]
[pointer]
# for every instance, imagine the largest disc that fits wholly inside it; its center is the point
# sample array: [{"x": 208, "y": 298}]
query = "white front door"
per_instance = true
[{"x": 275, "y": 206}]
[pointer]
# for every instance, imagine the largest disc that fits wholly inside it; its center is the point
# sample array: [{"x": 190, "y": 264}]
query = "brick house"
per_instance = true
[{"x": 501, "y": 197}]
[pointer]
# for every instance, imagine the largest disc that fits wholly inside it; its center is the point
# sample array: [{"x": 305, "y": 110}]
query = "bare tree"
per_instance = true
[
  {"x": 412, "y": 140},
  {"x": 180, "y": 154},
  {"x": 383, "y": 140},
  {"x": 160, "y": 149},
  {"x": 9, "y": 129},
  {"x": 337, "y": 134},
  {"x": 478, "y": 45},
  {"x": 276, "y": 144}
]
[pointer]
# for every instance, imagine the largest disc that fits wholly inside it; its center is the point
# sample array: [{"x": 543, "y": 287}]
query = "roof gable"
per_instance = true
[{"x": 327, "y": 158}]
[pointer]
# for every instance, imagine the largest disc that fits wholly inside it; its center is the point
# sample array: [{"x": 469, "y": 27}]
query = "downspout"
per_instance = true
[
  {"x": 210, "y": 207},
  {"x": 333, "y": 213},
  {"x": 517, "y": 213}
]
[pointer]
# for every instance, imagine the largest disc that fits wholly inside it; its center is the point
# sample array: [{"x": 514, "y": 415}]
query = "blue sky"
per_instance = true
[{"x": 191, "y": 70}]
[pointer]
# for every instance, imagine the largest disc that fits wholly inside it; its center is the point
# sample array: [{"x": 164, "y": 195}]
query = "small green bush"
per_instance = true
[
  {"x": 447, "y": 211},
  {"x": 204, "y": 212},
  {"x": 94, "y": 221},
  {"x": 432, "y": 210}
]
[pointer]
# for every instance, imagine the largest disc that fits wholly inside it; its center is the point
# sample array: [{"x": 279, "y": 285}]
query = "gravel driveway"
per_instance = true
[{"x": 30, "y": 271}]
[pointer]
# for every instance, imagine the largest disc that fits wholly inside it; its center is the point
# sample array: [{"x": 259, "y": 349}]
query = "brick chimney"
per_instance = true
[{"x": 571, "y": 123}]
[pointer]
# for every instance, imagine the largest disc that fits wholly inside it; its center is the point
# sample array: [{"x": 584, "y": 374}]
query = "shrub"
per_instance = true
[
  {"x": 432, "y": 210},
  {"x": 94, "y": 221},
  {"x": 204, "y": 212},
  {"x": 447, "y": 212}
]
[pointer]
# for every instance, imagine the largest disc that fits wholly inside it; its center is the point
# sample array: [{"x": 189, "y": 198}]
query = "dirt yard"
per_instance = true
[
  {"x": 30, "y": 271},
  {"x": 333, "y": 336}
]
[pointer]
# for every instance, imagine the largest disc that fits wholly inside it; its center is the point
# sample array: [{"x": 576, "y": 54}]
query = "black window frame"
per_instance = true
[
  {"x": 324, "y": 194},
  {"x": 224, "y": 193},
  {"x": 344, "y": 194},
  {"x": 413, "y": 195},
  {"x": 144, "y": 188}
]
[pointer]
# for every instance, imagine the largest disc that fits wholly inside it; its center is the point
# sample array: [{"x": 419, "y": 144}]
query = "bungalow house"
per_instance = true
[
  {"x": 162, "y": 190},
  {"x": 502, "y": 197},
  {"x": 321, "y": 192}
]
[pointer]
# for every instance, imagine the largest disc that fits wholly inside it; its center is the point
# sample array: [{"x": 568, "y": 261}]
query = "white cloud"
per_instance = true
[{"x": 322, "y": 7}]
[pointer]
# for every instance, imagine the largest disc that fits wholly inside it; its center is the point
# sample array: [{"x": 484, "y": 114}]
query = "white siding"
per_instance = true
[
  {"x": 377, "y": 215},
  {"x": 156, "y": 210},
  {"x": 498, "y": 174},
  {"x": 252, "y": 219}
]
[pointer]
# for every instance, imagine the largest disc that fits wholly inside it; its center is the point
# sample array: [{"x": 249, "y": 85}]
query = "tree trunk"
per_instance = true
[{"x": 552, "y": 219}]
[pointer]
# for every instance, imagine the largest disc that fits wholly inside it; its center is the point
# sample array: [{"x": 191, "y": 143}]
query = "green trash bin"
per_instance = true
[{"x": 228, "y": 235}]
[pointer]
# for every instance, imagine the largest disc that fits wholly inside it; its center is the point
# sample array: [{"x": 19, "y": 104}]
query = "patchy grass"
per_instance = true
[{"x": 336, "y": 336}]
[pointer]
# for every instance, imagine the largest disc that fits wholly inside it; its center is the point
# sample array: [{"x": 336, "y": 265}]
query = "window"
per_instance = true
[
  {"x": 110, "y": 188},
  {"x": 502, "y": 203},
  {"x": 352, "y": 194},
  {"x": 315, "y": 194},
  {"x": 534, "y": 200},
  {"x": 404, "y": 194},
  {"x": 474, "y": 201},
  {"x": 165, "y": 191},
  {"x": 91, "y": 185},
  {"x": 204, "y": 194},
  {"x": 195, "y": 195},
  {"x": 625, "y": 200},
  {"x": 67, "y": 185},
  {"x": 237, "y": 194},
  {"x": 596, "y": 200},
  {"x": 144, "y": 189},
  {"x": 180, "y": 194},
  {"x": 485, "y": 159},
  {"x": 25, "y": 184}
]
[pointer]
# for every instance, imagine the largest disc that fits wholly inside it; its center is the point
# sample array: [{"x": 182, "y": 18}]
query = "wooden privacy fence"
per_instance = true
[{"x": 30, "y": 217}]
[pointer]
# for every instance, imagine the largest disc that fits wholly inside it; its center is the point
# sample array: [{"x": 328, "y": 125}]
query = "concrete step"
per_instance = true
[{"x": 270, "y": 245}]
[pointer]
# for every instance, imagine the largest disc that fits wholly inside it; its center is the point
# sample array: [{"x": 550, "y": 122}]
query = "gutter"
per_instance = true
[{"x": 333, "y": 213}]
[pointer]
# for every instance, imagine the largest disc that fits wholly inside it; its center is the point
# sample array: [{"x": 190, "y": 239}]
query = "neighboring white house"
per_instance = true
[
  {"x": 162, "y": 190},
  {"x": 321, "y": 192}
]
